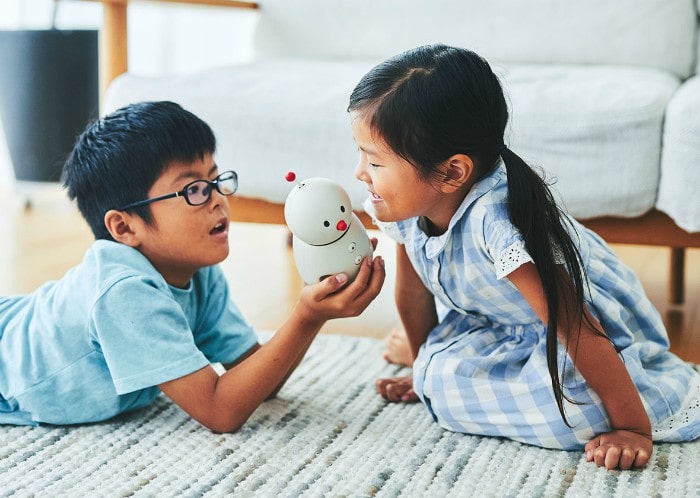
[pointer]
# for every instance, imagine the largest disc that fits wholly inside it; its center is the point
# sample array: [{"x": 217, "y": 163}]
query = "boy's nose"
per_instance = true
[{"x": 217, "y": 199}]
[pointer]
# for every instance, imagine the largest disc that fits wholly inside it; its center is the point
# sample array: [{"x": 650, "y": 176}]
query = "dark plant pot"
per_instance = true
[{"x": 49, "y": 92}]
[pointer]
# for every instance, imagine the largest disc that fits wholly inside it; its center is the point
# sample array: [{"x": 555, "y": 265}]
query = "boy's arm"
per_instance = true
[
  {"x": 629, "y": 444},
  {"x": 256, "y": 347},
  {"x": 223, "y": 404}
]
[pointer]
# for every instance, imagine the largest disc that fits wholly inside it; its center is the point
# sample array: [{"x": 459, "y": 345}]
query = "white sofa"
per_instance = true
[{"x": 604, "y": 97}]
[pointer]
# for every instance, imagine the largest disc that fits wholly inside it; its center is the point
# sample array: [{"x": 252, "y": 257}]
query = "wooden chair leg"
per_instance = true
[{"x": 676, "y": 281}]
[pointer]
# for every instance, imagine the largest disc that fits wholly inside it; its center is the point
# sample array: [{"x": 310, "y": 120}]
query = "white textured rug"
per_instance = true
[{"x": 327, "y": 434}]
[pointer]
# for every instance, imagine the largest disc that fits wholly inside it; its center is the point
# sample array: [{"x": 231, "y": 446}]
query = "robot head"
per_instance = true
[{"x": 317, "y": 211}]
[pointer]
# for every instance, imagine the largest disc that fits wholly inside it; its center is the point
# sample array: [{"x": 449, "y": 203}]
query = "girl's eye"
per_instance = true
[{"x": 372, "y": 165}]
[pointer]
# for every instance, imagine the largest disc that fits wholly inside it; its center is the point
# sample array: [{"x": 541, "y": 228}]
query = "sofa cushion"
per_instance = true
[
  {"x": 679, "y": 194},
  {"x": 595, "y": 130},
  {"x": 650, "y": 33}
]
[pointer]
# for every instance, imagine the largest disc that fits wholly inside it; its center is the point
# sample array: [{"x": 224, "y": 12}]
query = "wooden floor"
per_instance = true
[{"x": 43, "y": 242}]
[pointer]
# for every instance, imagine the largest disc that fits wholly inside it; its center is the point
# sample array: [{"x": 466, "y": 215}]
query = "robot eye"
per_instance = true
[
  {"x": 342, "y": 209},
  {"x": 326, "y": 224}
]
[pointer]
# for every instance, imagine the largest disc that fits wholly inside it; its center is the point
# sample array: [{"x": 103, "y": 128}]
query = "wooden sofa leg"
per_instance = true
[{"x": 676, "y": 275}]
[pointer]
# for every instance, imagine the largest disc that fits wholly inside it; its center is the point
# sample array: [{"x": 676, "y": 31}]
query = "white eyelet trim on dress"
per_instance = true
[
  {"x": 510, "y": 259},
  {"x": 688, "y": 413}
]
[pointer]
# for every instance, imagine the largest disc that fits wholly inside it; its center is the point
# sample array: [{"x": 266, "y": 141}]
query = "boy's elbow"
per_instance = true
[
  {"x": 223, "y": 428},
  {"x": 222, "y": 425}
]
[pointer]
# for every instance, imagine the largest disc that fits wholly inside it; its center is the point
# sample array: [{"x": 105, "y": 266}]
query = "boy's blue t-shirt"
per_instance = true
[{"x": 97, "y": 342}]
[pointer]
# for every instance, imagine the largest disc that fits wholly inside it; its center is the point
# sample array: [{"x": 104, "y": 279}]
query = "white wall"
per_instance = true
[{"x": 163, "y": 38}]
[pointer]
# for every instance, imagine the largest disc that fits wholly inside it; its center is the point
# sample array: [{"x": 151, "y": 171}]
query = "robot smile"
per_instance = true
[{"x": 340, "y": 236}]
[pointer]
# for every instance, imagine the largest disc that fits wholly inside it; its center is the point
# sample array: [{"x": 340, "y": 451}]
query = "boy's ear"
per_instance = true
[
  {"x": 455, "y": 172},
  {"x": 120, "y": 226}
]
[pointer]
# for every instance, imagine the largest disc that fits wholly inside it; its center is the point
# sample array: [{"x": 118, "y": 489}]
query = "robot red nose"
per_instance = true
[{"x": 342, "y": 226}]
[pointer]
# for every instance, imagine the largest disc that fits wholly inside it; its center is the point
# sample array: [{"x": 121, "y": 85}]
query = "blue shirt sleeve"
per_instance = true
[
  {"x": 150, "y": 333},
  {"x": 219, "y": 330},
  {"x": 143, "y": 334}
]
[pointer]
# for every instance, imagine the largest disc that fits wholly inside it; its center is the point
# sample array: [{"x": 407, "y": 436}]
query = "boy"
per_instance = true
[{"x": 148, "y": 309}]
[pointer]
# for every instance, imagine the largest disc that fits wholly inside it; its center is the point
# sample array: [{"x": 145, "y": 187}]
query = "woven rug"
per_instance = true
[{"x": 327, "y": 434}]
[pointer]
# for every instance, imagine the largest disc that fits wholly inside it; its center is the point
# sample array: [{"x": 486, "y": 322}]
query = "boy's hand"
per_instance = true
[
  {"x": 619, "y": 449},
  {"x": 335, "y": 298}
]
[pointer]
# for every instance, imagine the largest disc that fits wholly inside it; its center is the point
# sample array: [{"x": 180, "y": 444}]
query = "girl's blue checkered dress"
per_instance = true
[{"x": 483, "y": 369}]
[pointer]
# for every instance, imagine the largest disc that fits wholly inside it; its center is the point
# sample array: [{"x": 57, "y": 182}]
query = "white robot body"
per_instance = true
[
  {"x": 328, "y": 237},
  {"x": 342, "y": 256}
]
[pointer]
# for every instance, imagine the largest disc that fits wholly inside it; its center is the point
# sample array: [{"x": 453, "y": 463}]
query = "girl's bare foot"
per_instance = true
[
  {"x": 397, "y": 349},
  {"x": 397, "y": 389}
]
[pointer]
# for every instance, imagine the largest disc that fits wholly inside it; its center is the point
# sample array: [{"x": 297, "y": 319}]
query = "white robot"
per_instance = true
[{"x": 327, "y": 236}]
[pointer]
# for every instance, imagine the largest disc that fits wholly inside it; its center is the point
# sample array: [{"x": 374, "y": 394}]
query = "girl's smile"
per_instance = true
[{"x": 374, "y": 197}]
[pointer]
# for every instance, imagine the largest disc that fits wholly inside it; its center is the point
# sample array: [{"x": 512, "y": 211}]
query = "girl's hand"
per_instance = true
[
  {"x": 397, "y": 389},
  {"x": 335, "y": 298},
  {"x": 619, "y": 449}
]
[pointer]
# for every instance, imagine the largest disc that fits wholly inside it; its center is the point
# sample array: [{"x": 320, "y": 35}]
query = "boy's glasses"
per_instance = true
[{"x": 197, "y": 192}]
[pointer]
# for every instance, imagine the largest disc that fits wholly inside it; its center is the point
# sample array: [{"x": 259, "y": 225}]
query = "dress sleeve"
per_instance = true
[
  {"x": 504, "y": 243},
  {"x": 143, "y": 335},
  {"x": 511, "y": 258}
]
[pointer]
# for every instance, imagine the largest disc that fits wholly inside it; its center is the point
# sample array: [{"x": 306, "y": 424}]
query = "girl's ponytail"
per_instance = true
[{"x": 534, "y": 212}]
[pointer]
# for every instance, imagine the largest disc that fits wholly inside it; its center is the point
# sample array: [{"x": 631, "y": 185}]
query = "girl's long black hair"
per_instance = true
[{"x": 436, "y": 101}]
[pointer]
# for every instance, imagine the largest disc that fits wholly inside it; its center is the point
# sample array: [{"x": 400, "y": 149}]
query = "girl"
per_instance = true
[{"x": 546, "y": 337}]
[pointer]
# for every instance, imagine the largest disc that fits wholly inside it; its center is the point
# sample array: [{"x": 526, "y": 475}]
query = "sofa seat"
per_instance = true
[{"x": 596, "y": 131}]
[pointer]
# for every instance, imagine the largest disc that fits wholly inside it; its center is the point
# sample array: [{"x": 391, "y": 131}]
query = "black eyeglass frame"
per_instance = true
[{"x": 225, "y": 176}]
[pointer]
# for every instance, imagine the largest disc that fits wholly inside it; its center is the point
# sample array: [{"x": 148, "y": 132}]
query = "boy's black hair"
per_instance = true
[
  {"x": 436, "y": 101},
  {"x": 118, "y": 158}
]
